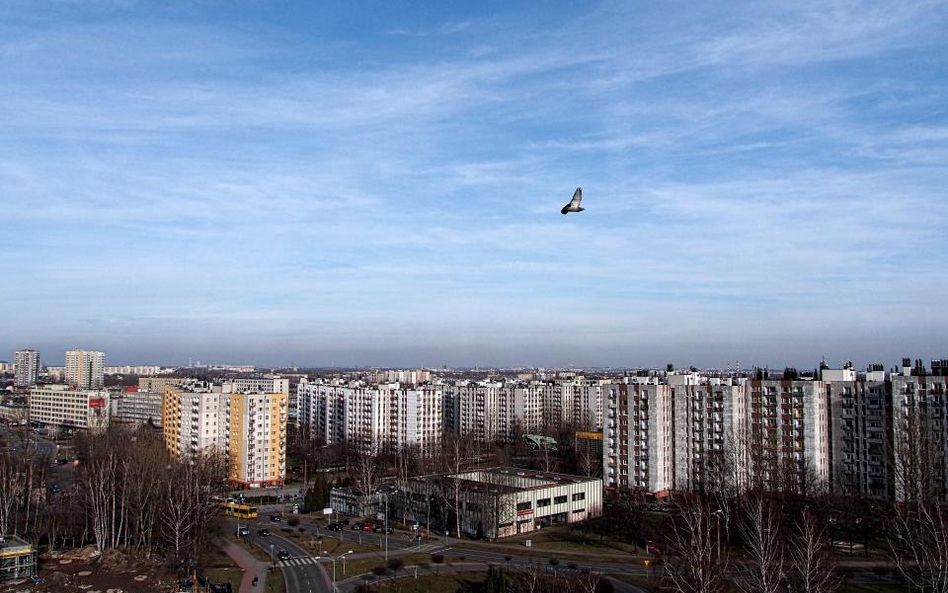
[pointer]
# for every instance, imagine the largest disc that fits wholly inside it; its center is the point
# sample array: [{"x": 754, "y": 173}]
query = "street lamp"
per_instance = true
[{"x": 334, "y": 588}]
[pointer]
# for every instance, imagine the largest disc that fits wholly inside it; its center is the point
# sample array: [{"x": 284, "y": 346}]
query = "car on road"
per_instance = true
[
  {"x": 382, "y": 529},
  {"x": 357, "y": 526},
  {"x": 283, "y": 555},
  {"x": 274, "y": 518},
  {"x": 334, "y": 527},
  {"x": 367, "y": 526},
  {"x": 263, "y": 532},
  {"x": 243, "y": 531}
]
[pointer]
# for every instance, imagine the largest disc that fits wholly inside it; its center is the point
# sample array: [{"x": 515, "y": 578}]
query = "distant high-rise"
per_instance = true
[
  {"x": 27, "y": 367},
  {"x": 85, "y": 369}
]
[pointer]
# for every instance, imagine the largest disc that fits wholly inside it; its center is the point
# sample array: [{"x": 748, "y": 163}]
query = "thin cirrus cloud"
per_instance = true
[{"x": 764, "y": 183}]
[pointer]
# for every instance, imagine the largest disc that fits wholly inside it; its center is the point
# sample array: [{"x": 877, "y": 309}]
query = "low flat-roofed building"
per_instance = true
[
  {"x": 141, "y": 407},
  {"x": 502, "y": 501},
  {"x": 60, "y": 405},
  {"x": 17, "y": 559}
]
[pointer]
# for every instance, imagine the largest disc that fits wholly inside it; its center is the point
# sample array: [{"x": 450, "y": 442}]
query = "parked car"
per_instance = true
[
  {"x": 367, "y": 526},
  {"x": 357, "y": 526},
  {"x": 283, "y": 555},
  {"x": 380, "y": 528},
  {"x": 243, "y": 531},
  {"x": 274, "y": 518},
  {"x": 343, "y": 521},
  {"x": 263, "y": 532},
  {"x": 334, "y": 526}
]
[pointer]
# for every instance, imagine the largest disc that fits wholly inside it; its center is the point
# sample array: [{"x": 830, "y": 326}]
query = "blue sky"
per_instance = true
[{"x": 380, "y": 183}]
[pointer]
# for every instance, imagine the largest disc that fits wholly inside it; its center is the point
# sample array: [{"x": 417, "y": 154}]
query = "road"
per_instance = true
[{"x": 304, "y": 574}]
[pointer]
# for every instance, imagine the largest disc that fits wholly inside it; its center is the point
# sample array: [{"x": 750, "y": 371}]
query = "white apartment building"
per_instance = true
[
  {"x": 919, "y": 421},
  {"x": 63, "y": 406},
  {"x": 250, "y": 428},
  {"x": 256, "y": 384},
  {"x": 138, "y": 407},
  {"x": 143, "y": 370},
  {"x": 27, "y": 367},
  {"x": 372, "y": 418},
  {"x": 85, "y": 369}
]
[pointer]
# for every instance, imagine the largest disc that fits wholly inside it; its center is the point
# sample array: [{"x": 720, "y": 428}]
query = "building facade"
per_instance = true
[
  {"x": 500, "y": 502},
  {"x": 249, "y": 428},
  {"x": 85, "y": 369},
  {"x": 65, "y": 407},
  {"x": 27, "y": 368},
  {"x": 138, "y": 407}
]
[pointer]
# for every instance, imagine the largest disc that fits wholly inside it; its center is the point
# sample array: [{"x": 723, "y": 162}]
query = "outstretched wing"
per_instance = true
[{"x": 577, "y": 197}]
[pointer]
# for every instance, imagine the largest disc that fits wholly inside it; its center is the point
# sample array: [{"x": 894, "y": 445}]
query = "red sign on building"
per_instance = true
[{"x": 96, "y": 402}]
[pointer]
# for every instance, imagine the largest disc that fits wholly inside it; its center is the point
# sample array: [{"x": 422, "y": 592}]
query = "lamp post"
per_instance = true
[
  {"x": 334, "y": 588},
  {"x": 717, "y": 541}
]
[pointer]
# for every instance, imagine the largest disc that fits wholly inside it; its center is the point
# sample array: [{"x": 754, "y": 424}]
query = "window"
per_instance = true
[
  {"x": 559, "y": 499},
  {"x": 579, "y": 496},
  {"x": 524, "y": 506},
  {"x": 578, "y": 511},
  {"x": 543, "y": 502}
]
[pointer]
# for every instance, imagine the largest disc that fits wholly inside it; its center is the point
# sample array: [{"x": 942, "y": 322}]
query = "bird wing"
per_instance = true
[
  {"x": 577, "y": 197},
  {"x": 565, "y": 209}
]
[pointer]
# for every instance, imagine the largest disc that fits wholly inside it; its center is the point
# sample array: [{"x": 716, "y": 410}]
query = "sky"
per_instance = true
[{"x": 380, "y": 183}]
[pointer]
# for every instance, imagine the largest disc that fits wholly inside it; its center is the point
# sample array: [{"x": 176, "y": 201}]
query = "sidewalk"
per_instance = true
[{"x": 250, "y": 565}]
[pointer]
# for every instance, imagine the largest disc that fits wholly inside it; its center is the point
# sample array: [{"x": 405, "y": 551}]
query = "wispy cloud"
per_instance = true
[{"x": 378, "y": 197}]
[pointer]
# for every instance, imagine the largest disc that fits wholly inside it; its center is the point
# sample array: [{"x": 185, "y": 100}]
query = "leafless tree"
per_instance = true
[
  {"x": 692, "y": 554},
  {"x": 456, "y": 455},
  {"x": 815, "y": 571},
  {"x": 918, "y": 527},
  {"x": 763, "y": 567}
]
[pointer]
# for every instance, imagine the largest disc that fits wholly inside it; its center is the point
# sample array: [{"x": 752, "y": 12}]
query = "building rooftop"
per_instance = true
[
  {"x": 11, "y": 545},
  {"x": 512, "y": 479}
]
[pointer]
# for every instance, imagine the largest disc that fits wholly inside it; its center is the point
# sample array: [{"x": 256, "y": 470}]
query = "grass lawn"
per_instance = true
[
  {"x": 430, "y": 584},
  {"x": 570, "y": 540},
  {"x": 225, "y": 574},
  {"x": 364, "y": 565}
]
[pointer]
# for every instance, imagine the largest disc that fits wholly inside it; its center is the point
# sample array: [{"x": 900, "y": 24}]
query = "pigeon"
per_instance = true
[{"x": 573, "y": 205}]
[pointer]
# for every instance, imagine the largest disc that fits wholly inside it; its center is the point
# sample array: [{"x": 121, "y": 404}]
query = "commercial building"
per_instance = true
[
  {"x": 500, "y": 502},
  {"x": 250, "y": 428},
  {"x": 27, "y": 367},
  {"x": 64, "y": 406},
  {"x": 85, "y": 369}
]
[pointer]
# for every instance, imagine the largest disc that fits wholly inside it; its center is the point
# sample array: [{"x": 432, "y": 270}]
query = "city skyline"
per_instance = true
[{"x": 380, "y": 185}]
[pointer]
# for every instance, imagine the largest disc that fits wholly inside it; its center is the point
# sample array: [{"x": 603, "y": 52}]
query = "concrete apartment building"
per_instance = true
[
  {"x": 27, "y": 367},
  {"x": 501, "y": 502},
  {"x": 158, "y": 384},
  {"x": 141, "y": 370},
  {"x": 373, "y": 418},
  {"x": 843, "y": 431},
  {"x": 249, "y": 427},
  {"x": 137, "y": 407},
  {"x": 85, "y": 369},
  {"x": 256, "y": 384},
  {"x": 65, "y": 407}
]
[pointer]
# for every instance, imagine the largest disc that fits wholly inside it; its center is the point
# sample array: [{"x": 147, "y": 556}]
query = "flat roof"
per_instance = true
[{"x": 512, "y": 479}]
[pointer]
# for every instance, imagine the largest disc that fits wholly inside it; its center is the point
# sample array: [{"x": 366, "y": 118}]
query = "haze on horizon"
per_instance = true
[{"x": 380, "y": 184}]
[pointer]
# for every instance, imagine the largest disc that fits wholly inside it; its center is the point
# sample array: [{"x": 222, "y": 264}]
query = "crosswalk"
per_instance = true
[
  {"x": 298, "y": 561},
  {"x": 429, "y": 548}
]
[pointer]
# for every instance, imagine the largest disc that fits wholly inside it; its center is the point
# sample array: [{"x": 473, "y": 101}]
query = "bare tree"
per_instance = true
[
  {"x": 812, "y": 562},
  {"x": 456, "y": 454},
  {"x": 693, "y": 560},
  {"x": 763, "y": 568}
]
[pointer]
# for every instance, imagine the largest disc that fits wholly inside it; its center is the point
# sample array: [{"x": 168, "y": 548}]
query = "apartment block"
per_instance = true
[
  {"x": 919, "y": 419},
  {"x": 137, "y": 407},
  {"x": 373, "y": 418},
  {"x": 66, "y": 407},
  {"x": 27, "y": 367},
  {"x": 250, "y": 428},
  {"x": 85, "y": 369},
  {"x": 256, "y": 385}
]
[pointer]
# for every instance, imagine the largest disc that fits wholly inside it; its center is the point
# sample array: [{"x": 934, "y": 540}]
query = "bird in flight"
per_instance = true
[{"x": 573, "y": 205}]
